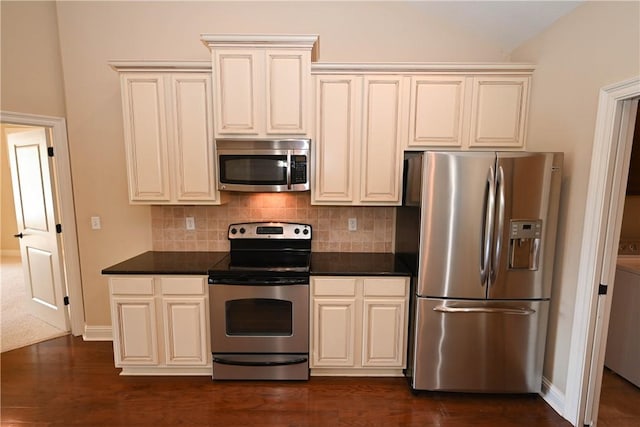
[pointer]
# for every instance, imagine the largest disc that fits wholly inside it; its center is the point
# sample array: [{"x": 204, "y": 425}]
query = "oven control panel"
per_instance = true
[{"x": 270, "y": 230}]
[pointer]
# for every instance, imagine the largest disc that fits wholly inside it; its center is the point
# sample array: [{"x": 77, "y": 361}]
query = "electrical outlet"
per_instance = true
[
  {"x": 95, "y": 223},
  {"x": 353, "y": 224},
  {"x": 190, "y": 223}
]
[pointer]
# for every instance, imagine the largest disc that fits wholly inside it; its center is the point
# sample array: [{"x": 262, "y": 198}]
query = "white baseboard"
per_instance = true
[
  {"x": 553, "y": 396},
  {"x": 97, "y": 333}
]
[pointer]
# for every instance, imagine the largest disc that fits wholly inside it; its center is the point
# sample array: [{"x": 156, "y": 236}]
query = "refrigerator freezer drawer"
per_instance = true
[{"x": 479, "y": 346}]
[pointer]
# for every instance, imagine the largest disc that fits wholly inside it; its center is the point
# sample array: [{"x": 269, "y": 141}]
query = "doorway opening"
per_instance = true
[
  {"x": 61, "y": 191},
  {"x": 611, "y": 153},
  {"x": 620, "y": 389}
]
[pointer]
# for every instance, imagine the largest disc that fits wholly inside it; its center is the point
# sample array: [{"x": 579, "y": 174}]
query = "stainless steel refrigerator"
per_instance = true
[{"x": 479, "y": 231}]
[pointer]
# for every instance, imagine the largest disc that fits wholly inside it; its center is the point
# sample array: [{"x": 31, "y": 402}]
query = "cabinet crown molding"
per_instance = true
[
  {"x": 422, "y": 67},
  {"x": 259, "y": 40},
  {"x": 143, "y": 65}
]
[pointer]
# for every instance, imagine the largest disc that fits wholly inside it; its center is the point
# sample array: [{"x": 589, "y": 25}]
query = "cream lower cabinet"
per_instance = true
[
  {"x": 168, "y": 134},
  {"x": 359, "y": 134},
  {"x": 160, "y": 325},
  {"x": 359, "y": 325}
]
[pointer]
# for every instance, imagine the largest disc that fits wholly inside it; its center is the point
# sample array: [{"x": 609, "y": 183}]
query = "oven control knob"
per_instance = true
[
  {"x": 242, "y": 230},
  {"x": 305, "y": 231},
  {"x": 234, "y": 231},
  {"x": 297, "y": 231}
]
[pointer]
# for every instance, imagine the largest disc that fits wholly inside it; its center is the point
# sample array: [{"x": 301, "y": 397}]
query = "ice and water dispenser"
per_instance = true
[{"x": 524, "y": 244}]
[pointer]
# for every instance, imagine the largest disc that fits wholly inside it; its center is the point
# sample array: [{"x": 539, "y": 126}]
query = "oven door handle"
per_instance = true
[
  {"x": 256, "y": 281},
  {"x": 239, "y": 361}
]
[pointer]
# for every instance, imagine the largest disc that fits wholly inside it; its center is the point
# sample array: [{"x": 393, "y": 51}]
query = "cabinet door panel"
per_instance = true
[
  {"x": 333, "y": 333},
  {"x": 135, "y": 341},
  {"x": 336, "y": 138},
  {"x": 287, "y": 91},
  {"x": 381, "y": 142},
  {"x": 437, "y": 108},
  {"x": 237, "y": 91},
  {"x": 498, "y": 112},
  {"x": 383, "y": 340},
  {"x": 185, "y": 332},
  {"x": 193, "y": 142},
  {"x": 145, "y": 130}
]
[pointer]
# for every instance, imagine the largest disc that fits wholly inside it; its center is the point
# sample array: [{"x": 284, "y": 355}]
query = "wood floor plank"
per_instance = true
[{"x": 69, "y": 382}]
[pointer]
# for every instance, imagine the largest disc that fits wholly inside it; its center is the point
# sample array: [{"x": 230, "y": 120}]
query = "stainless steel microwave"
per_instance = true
[{"x": 263, "y": 165}]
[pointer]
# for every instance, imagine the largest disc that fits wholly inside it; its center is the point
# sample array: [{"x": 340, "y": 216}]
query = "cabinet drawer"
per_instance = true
[
  {"x": 131, "y": 285},
  {"x": 389, "y": 287},
  {"x": 182, "y": 285},
  {"x": 334, "y": 287}
]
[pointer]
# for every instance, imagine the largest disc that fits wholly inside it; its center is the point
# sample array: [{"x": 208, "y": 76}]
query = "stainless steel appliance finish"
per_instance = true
[
  {"x": 263, "y": 165},
  {"x": 259, "y": 300},
  {"x": 483, "y": 258}
]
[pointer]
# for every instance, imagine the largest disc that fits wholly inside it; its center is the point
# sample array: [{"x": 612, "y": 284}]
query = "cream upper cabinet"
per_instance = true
[
  {"x": 499, "y": 111},
  {"x": 358, "y": 139},
  {"x": 383, "y": 133},
  {"x": 262, "y": 84},
  {"x": 468, "y": 112},
  {"x": 337, "y": 138},
  {"x": 168, "y": 133},
  {"x": 437, "y": 111},
  {"x": 160, "y": 325},
  {"x": 358, "y": 325}
]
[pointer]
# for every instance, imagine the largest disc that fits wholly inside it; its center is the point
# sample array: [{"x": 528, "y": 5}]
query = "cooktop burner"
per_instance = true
[{"x": 267, "y": 248}]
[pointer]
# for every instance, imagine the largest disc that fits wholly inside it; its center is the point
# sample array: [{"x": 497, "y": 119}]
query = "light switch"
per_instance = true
[{"x": 95, "y": 223}]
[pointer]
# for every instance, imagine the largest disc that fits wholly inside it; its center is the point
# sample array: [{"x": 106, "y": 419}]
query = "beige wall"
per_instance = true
[
  {"x": 8, "y": 225},
  {"x": 92, "y": 33},
  {"x": 31, "y": 73},
  {"x": 595, "y": 45}
]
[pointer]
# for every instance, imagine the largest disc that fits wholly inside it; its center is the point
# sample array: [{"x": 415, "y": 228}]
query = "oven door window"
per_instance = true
[
  {"x": 254, "y": 169},
  {"x": 259, "y": 317}
]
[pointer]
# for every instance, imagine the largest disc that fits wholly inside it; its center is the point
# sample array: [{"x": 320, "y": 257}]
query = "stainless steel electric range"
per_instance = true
[{"x": 259, "y": 300}]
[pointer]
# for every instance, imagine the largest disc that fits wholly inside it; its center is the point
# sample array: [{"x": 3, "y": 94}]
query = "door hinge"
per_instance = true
[
  {"x": 66, "y": 300},
  {"x": 602, "y": 289},
  {"x": 50, "y": 151},
  {"x": 58, "y": 228}
]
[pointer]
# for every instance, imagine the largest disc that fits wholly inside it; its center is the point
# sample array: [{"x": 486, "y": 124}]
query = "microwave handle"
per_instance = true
[{"x": 289, "y": 166}]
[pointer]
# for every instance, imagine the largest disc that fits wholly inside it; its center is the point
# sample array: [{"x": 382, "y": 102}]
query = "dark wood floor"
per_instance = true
[
  {"x": 67, "y": 381},
  {"x": 619, "y": 402}
]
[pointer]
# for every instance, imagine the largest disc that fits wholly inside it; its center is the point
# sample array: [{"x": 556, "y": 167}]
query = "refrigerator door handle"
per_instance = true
[
  {"x": 495, "y": 262},
  {"x": 487, "y": 226},
  {"x": 492, "y": 310}
]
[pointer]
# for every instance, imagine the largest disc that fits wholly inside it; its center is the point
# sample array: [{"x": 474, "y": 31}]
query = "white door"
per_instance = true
[{"x": 36, "y": 218}]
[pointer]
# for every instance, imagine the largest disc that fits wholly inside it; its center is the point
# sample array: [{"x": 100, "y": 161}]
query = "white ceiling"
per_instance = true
[{"x": 508, "y": 24}]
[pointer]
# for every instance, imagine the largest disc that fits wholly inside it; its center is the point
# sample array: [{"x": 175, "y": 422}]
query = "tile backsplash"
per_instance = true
[{"x": 375, "y": 225}]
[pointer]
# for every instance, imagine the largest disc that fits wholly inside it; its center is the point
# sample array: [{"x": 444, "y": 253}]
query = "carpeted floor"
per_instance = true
[{"x": 17, "y": 327}]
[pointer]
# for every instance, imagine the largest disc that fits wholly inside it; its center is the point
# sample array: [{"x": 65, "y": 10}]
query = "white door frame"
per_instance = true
[
  {"x": 64, "y": 194},
  {"x": 605, "y": 198}
]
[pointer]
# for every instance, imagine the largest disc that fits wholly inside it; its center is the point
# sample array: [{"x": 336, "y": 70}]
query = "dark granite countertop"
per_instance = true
[
  {"x": 155, "y": 262},
  {"x": 356, "y": 264},
  {"x": 322, "y": 263}
]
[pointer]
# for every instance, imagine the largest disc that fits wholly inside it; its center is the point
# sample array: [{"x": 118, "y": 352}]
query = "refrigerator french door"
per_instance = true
[{"x": 487, "y": 226}]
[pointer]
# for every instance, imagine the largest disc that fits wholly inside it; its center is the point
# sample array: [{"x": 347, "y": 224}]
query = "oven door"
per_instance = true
[{"x": 259, "y": 319}]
